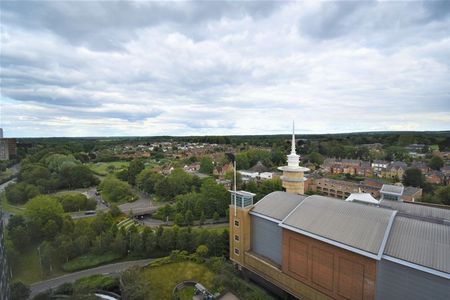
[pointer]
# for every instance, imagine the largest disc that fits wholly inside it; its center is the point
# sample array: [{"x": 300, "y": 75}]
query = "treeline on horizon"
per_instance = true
[{"x": 396, "y": 138}]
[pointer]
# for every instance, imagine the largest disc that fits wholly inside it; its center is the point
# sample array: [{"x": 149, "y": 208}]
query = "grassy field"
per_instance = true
[
  {"x": 13, "y": 209},
  {"x": 28, "y": 269},
  {"x": 160, "y": 287},
  {"x": 5, "y": 175},
  {"x": 89, "y": 261},
  {"x": 218, "y": 228},
  {"x": 101, "y": 168}
]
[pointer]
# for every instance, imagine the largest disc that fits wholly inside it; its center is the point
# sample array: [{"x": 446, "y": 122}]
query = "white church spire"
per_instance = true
[{"x": 293, "y": 138}]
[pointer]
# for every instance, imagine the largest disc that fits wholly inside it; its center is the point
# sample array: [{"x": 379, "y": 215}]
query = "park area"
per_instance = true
[
  {"x": 105, "y": 168},
  {"x": 162, "y": 286}
]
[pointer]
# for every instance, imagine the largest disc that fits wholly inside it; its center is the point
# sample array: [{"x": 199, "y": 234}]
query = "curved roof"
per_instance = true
[
  {"x": 277, "y": 205},
  {"x": 352, "y": 225},
  {"x": 420, "y": 242}
]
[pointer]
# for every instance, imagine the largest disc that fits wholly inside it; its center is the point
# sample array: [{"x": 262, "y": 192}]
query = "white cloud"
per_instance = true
[{"x": 230, "y": 70}]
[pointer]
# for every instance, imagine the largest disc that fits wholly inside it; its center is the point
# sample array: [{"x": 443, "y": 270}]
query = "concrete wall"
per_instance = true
[
  {"x": 266, "y": 239},
  {"x": 395, "y": 281}
]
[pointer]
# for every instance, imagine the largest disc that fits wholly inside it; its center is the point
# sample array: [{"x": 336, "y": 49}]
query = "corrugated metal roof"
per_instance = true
[
  {"x": 417, "y": 210},
  {"x": 420, "y": 242},
  {"x": 277, "y": 205},
  {"x": 356, "y": 225},
  {"x": 392, "y": 189}
]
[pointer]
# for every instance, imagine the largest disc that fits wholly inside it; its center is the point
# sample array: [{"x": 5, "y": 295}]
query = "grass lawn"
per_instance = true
[
  {"x": 218, "y": 228},
  {"x": 187, "y": 293},
  {"x": 89, "y": 261},
  {"x": 5, "y": 174},
  {"x": 101, "y": 168},
  {"x": 13, "y": 209},
  {"x": 28, "y": 269},
  {"x": 162, "y": 279}
]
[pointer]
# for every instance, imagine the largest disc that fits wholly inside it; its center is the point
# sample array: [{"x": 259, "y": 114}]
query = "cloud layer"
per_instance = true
[{"x": 184, "y": 68}]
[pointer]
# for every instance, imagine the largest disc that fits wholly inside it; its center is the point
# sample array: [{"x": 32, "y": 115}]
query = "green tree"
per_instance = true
[
  {"x": 31, "y": 173},
  {"x": 44, "y": 215},
  {"x": 56, "y": 162},
  {"x": 188, "y": 218},
  {"x": 135, "y": 167},
  {"x": 19, "y": 291},
  {"x": 443, "y": 194},
  {"x": 20, "y": 193},
  {"x": 413, "y": 177},
  {"x": 206, "y": 165},
  {"x": 202, "y": 218},
  {"x": 114, "y": 210},
  {"x": 436, "y": 162},
  {"x": 77, "y": 176},
  {"x": 146, "y": 180},
  {"x": 115, "y": 190},
  {"x": 179, "y": 220},
  {"x": 216, "y": 216},
  {"x": 316, "y": 158}
]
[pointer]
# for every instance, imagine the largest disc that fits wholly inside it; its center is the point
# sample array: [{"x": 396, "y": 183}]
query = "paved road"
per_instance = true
[{"x": 111, "y": 269}]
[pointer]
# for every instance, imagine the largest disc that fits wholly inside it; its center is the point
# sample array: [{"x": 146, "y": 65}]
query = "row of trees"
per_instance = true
[{"x": 59, "y": 239}]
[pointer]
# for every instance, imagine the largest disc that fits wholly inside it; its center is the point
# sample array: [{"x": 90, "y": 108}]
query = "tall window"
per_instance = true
[{"x": 236, "y": 223}]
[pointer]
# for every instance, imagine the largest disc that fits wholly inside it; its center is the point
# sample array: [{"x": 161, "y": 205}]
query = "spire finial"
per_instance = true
[{"x": 293, "y": 138}]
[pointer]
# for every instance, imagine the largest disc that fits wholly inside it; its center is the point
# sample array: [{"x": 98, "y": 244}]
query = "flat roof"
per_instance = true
[
  {"x": 392, "y": 189},
  {"x": 355, "y": 225}
]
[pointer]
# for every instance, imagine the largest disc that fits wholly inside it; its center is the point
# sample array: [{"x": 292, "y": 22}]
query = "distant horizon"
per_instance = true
[{"x": 233, "y": 135}]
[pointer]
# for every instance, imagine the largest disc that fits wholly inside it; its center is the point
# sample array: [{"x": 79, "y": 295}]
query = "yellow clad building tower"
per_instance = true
[{"x": 293, "y": 178}]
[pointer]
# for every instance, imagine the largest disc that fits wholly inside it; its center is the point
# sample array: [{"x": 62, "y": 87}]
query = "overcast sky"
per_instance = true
[{"x": 183, "y": 68}]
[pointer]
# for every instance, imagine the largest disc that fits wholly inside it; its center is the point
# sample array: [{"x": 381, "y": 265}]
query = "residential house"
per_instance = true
[{"x": 395, "y": 169}]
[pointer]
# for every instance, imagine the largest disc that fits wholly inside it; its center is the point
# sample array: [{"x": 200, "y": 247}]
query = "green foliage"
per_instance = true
[
  {"x": 413, "y": 177},
  {"x": 94, "y": 282},
  {"x": 134, "y": 285},
  {"x": 177, "y": 183},
  {"x": 436, "y": 162},
  {"x": 114, "y": 210},
  {"x": 316, "y": 158},
  {"x": 20, "y": 193},
  {"x": 135, "y": 167},
  {"x": 32, "y": 173},
  {"x": 19, "y": 291},
  {"x": 77, "y": 176},
  {"x": 89, "y": 261},
  {"x": 115, "y": 190},
  {"x": 45, "y": 217},
  {"x": 206, "y": 165},
  {"x": 202, "y": 251},
  {"x": 443, "y": 194},
  {"x": 76, "y": 202},
  {"x": 147, "y": 179},
  {"x": 57, "y": 162}
]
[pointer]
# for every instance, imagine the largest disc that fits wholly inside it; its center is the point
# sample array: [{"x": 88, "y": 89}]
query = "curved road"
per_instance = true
[{"x": 111, "y": 269}]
